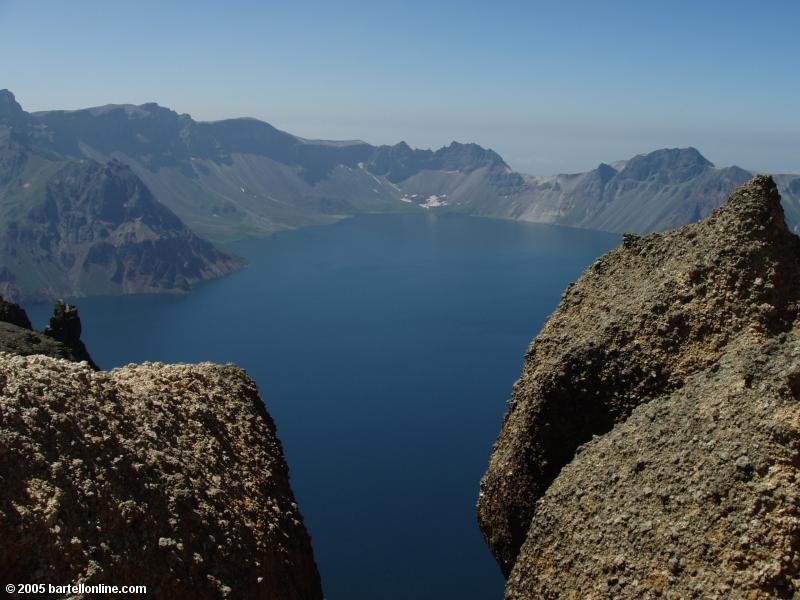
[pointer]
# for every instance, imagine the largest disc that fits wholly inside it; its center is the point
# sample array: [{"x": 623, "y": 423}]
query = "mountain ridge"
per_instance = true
[
  {"x": 242, "y": 177},
  {"x": 72, "y": 226}
]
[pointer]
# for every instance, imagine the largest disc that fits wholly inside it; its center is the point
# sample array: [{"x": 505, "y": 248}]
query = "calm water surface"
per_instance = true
[{"x": 385, "y": 347}]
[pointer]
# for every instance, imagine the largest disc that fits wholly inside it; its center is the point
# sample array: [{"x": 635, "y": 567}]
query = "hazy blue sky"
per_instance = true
[{"x": 552, "y": 86}]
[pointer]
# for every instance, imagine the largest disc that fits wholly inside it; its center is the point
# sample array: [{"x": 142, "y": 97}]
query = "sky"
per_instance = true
[{"x": 552, "y": 86}]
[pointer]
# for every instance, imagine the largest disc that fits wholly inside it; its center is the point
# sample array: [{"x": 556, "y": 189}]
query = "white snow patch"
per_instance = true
[{"x": 433, "y": 202}]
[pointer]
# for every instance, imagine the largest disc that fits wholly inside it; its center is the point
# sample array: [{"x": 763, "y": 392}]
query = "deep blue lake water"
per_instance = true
[{"x": 385, "y": 347}]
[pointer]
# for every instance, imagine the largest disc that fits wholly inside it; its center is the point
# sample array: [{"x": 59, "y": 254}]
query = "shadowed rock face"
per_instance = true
[
  {"x": 16, "y": 315},
  {"x": 696, "y": 327},
  {"x": 61, "y": 339},
  {"x": 166, "y": 476},
  {"x": 97, "y": 229},
  {"x": 65, "y": 326}
]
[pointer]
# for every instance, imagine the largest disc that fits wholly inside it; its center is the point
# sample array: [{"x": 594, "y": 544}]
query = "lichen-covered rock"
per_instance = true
[
  {"x": 169, "y": 476},
  {"x": 693, "y": 493}
]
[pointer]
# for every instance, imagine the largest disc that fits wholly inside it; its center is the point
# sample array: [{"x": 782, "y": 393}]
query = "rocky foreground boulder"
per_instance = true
[
  {"x": 652, "y": 444},
  {"x": 169, "y": 476}
]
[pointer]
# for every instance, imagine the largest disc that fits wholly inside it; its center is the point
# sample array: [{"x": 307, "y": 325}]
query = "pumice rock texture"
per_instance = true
[
  {"x": 651, "y": 446},
  {"x": 169, "y": 476}
]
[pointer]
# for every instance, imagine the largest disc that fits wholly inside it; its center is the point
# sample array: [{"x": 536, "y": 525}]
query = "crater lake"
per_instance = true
[{"x": 385, "y": 348}]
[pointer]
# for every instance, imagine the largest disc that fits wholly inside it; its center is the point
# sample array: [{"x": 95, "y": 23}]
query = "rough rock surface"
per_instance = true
[
  {"x": 693, "y": 493},
  {"x": 166, "y": 476}
]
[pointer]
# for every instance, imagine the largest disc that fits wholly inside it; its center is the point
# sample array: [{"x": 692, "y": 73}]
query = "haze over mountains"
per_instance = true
[{"x": 71, "y": 226}]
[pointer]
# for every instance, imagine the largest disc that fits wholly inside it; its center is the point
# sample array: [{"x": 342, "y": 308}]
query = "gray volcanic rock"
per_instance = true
[
  {"x": 695, "y": 495},
  {"x": 166, "y": 476},
  {"x": 242, "y": 177},
  {"x": 651, "y": 192},
  {"x": 96, "y": 229},
  {"x": 62, "y": 339},
  {"x": 65, "y": 326},
  {"x": 16, "y": 315},
  {"x": 696, "y": 327}
]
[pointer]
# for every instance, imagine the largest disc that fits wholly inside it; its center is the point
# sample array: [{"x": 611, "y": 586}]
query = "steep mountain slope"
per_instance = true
[
  {"x": 72, "y": 227},
  {"x": 657, "y": 191},
  {"x": 242, "y": 177},
  {"x": 98, "y": 230},
  {"x": 651, "y": 443}
]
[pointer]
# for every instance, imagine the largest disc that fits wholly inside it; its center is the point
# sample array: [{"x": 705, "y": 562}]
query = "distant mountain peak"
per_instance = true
[
  {"x": 668, "y": 165},
  {"x": 9, "y": 105},
  {"x": 7, "y": 95},
  {"x": 469, "y": 156},
  {"x": 606, "y": 172}
]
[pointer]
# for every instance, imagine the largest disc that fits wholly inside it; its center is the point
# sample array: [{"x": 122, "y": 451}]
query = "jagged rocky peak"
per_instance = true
[
  {"x": 65, "y": 326},
  {"x": 467, "y": 156},
  {"x": 606, "y": 172},
  {"x": 12, "y": 118},
  {"x": 9, "y": 104},
  {"x": 61, "y": 339},
  {"x": 668, "y": 165},
  {"x": 653, "y": 410}
]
